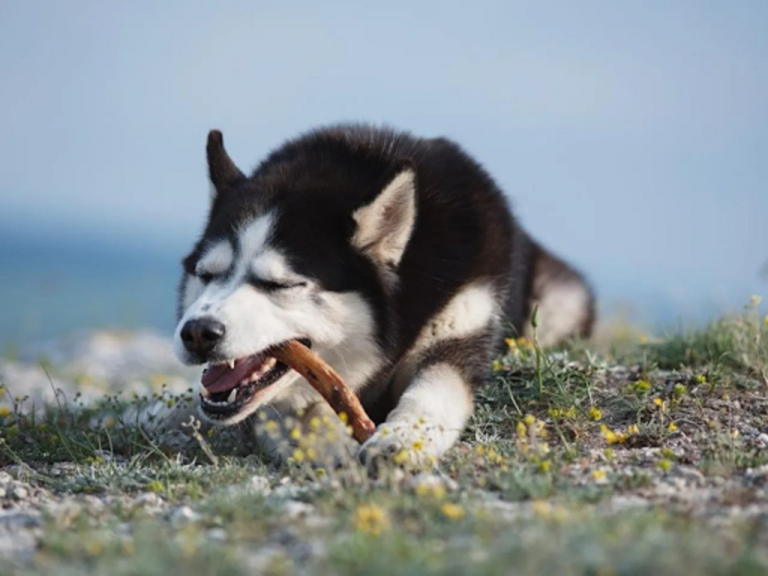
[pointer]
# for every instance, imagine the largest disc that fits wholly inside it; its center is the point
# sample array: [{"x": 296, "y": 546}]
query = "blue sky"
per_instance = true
[{"x": 632, "y": 137}]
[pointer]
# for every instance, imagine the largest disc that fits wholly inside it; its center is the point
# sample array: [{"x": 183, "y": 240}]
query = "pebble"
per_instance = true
[
  {"x": 20, "y": 493},
  {"x": 184, "y": 515},
  {"x": 216, "y": 535},
  {"x": 255, "y": 486},
  {"x": 149, "y": 502},
  {"x": 294, "y": 509}
]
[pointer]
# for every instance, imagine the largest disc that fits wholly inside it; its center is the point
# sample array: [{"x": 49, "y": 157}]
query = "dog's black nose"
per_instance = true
[{"x": 201, "y": 336}]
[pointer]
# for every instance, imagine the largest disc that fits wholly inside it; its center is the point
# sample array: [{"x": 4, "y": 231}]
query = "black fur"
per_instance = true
[{"x": 464, "y": 231}]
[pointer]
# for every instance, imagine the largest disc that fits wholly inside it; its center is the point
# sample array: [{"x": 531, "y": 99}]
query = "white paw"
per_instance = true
[{"x": 405, "y": 443}]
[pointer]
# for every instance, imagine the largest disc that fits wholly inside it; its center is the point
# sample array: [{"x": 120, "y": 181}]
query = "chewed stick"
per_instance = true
[{"x": 328, "y": 383}]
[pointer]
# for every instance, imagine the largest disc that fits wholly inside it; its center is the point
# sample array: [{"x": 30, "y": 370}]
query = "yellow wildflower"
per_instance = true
[
  {"x": 529, "y": 419},
  {"x": 598, "y": 475},
  {"x": 343, "y": 417},
  {"x": 667, "y": 453},
  {"x": 435, "y": 490},
  {"x": 665, "y": 464},
  {"x": 658, "y": 401},
  {"x": 612, "y": 437},
  {"x": 480, "y": 449},
  {"x": 524, "y": 342},
  {"x": 418, "y": 445},
  {"x": 701, "y": 379},
  {"x": 452, "y": 511},
  {"x": 371, "y": 519},
  {"x": 497, "y": 366},
  {"x": 511, "y": 344},
  {"x": 521, "y": 429},
  {"x": 4, "y": 410},
  {"x": 672, "y": 427},
  {"x": 642, "y": 386},
  {"x": 633, "y": 429},
  {"x": 643, "y": 339},
  {"x": 298, "y": 455},
  {"x": 401, "y": 457},
  {"x": 296, "y": 433},
  {"x": 545, "y": 466},
  {"x": 595, "y": 414},
  {"x": 271, "y": 426}
]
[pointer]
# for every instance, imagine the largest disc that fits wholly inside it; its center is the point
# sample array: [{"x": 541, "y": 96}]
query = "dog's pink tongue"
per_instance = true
[{"x": 222, "y": 378}]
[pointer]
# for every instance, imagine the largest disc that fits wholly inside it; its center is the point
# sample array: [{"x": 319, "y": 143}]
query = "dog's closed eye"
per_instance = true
[{"x": 272, "y": 286}]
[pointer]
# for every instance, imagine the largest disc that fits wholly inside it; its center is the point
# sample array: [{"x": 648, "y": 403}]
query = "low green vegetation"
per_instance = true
[{"x": 640, "y": 459}]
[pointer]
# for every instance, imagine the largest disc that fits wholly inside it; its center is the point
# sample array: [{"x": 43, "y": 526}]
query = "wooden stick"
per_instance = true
[{"x": 328, "y": 383}]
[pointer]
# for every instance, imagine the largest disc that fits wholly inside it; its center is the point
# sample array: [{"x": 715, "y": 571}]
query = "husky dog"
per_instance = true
[{"x": 396, "y": 258}]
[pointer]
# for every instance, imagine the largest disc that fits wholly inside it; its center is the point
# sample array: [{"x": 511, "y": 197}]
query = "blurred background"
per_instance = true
[{"x": 632, "y": 137}]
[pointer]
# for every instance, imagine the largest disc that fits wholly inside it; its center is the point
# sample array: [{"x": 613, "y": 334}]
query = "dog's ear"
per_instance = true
[
  {"x": 384, "y": 226},
  {"x": 222, "y": 171}
]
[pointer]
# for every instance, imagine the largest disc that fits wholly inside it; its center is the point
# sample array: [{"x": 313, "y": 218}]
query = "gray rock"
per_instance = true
[
  {"x": 296, "y": 509},
  {"x": 20, "y": 493},
  {"x": 148, "y": 502},
  {"x": 216, "y": 535},
  {"x": 184, "y": 515},
  {"x": 255, "y": 486}
]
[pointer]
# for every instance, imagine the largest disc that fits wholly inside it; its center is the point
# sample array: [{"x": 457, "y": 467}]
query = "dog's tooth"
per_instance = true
[
  {"x": 232, "y": 395},
  {"x": 204, "y": 392},
  {"x": 231, "y": 364}
]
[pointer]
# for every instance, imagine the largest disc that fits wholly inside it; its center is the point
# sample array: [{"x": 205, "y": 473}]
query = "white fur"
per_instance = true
[
  {"x": 269, "y": 264},
  {"x": 385, "y": 225},
  {"x": 254, "y": 237},
  {"x": 429, "y": 416},
  {"x": 561, "y": 309},
  {"x": 193, "y": 289},
  {"x": 340, "y": 325},
  {"x": 217, "y": 259},
  {"x": 471, "y": 310}
]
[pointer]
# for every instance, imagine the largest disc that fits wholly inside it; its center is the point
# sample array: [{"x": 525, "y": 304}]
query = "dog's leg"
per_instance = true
[{"x": 427, "y": 420}]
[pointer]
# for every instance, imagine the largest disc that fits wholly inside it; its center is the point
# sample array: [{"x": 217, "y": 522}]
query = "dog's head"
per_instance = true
[{"x": 305, "y": 249}]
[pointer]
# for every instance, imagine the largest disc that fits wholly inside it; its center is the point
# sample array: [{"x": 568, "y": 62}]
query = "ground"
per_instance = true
[{"x": 631, "y": 456}]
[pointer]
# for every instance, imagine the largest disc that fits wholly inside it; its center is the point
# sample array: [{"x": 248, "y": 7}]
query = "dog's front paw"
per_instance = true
[{"x": 403, "y": 444}]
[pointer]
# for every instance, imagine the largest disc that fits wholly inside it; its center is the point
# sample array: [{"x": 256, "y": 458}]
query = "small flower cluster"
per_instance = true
[
  {"x": 641, "y": 387},
  {"x": 452, "y": 511},
  {"x": 617, "y": 436},
  {"x": 371, "y": 519},
  {"x": 309, "y": 443},
  {"x": 531, "y": 441},
  {"x": 519, "y": 346},
  {"x": 563, "y": 414}
]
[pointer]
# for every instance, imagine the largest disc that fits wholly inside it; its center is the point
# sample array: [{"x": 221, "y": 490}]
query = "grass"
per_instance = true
[{"x": 641, "y": 458}]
